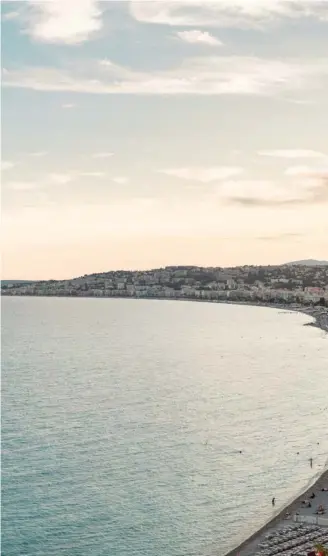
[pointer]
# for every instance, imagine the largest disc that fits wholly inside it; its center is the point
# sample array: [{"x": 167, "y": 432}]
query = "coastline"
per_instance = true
[
  {"x": 318, "y": 313},
  {"x": 249, "y": 545},
  {"x": 318, "y": 317}
]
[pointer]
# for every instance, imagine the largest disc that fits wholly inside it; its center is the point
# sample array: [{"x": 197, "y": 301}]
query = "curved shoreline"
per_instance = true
[
  {"x": 319, "y": 319},
  {"x": 315, "y": 483},
  {"x": 318, "y": 313}
]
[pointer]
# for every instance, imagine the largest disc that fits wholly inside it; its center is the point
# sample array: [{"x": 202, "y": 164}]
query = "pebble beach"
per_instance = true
[{"x": 250, "y": 546}]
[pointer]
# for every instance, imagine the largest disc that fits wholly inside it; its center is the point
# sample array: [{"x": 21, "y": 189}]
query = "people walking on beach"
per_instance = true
[{"x": 273, "y": 501}]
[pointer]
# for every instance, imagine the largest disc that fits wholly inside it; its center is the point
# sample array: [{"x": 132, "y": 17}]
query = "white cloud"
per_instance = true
[
  {"x": 7, "y": 165},
  {"x": 215, "y": 75},
  {"x": 103, "y": 155},
  {"x": 105, "y": 63},
  {"x": 297, "y": 170},
  {"x": 92, "y": 174},
  {"x": 22, "y": 185},
  {"x": 199, "y": 37},
  {"x": 68, "y": 105},
  {"x": 227, "y": 13},
  {"x": 52, "y": 179},
  {"x": 204, "y": 175},
  {"x": 306, "y": 170},
  {"x": 9, "y": 16},
  {"x": 120, "y": 179},
  {"x": 257, "y": 193},
  {"x": 60, "y": 179},
  {"x": 38, "y": 153},
  {"x": 312, "y": 189},
  {"x": 248, "y": 188},
  {"x": 292, "y": 153},
  {"x": 63, "y": 21}
]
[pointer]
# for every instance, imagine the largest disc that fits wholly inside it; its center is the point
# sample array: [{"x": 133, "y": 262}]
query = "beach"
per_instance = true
[{"x": 249, "y": 546}]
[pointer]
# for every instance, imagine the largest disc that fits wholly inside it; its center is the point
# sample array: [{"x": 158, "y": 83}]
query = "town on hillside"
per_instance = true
[{"x": 285, "y": 284}]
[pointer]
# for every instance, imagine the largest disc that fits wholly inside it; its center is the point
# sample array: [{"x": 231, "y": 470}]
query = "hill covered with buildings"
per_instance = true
[{"x": 287, "y": 284}]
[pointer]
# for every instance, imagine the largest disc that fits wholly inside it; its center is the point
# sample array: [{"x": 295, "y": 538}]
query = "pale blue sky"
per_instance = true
[{"x": 140, "y": 134}]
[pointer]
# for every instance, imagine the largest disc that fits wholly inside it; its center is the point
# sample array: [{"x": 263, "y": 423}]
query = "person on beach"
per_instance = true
[
  {"x": 311, "y": 462},
  {"x": 273, "y": 501}
]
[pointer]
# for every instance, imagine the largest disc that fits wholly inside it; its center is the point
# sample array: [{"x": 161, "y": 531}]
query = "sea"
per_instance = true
[{"x": 154, "y": 428}]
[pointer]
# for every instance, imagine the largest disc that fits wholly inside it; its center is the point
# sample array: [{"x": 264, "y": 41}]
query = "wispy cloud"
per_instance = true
[
  {"x": 7, "y": 164},
  {"x": 68, "y": 105},
  {"x": 307, "y": 170},
  {"x": 22, "y": 185},
  {"x": 199, "y": 37},
  {"x": 204, "y": 175},
  {"x": 215, "y": 75},
  {"x": 293, "y": 153},
  {"x": 312, "y": 191},
  {"x": 60, "y": 21},
  {"x": 38, "y": 153},
  {"x": 103, "y": 155},
  {"x": 52, "y": 179},
  {"x": 280, "y": 237},
  {"x": 60, "y": 179},
  {"x": 227, "y": 13},
  {"x": 9, "y": 16},
  {"x": 92, "y": 174},
  {"x": 120, "y": 179}
]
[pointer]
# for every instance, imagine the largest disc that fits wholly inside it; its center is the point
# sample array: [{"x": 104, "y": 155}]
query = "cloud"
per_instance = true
[
  {"x": 212, "y": 75},
  {"x": 307, "y": 170},
  {"x": 292, "y": 153},
  {"x": 92, "y": 174},
  {"x": 7, "y": 165},
  {"x": 38, "y": 153},
  {"x": 120, "y": 179},
  {"x": 312, "y": 191},
  {"x": 279, "y": 237},
  {"x": 9, "y": 16},
  {"x": 105, "y": 63},
  {"x": 103, "y": 155},
  {"x": 22, "y": 185},
  {"x": 51, "y": 180},
  {"x": 68, "y": 106},
  {"x": 203, "y": 175},
  {"x": 60, "y": 179},
  {"x": 63, "y": 21},
  {"x": 297, "y": 171},
  {"x": 199, "y": 37},
  {"x": 227, "y": 13},
  {"x": 301, "y": 102}
]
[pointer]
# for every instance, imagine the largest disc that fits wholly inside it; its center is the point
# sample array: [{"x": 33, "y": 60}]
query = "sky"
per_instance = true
[{"x": 142, "y": 134}]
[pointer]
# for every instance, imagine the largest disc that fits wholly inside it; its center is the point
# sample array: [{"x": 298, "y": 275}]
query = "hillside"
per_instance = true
[{"x": 308, "y": 262}]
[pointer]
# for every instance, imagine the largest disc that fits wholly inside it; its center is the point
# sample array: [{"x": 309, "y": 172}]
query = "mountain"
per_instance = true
[{"x": 308, "y": 262}]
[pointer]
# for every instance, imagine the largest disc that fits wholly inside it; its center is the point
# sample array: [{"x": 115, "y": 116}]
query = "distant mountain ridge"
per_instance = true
[{"x": 308, "y": 262}]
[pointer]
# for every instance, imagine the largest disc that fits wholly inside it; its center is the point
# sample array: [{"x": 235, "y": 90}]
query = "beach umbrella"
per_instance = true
[{"x": 321, "y": 550}]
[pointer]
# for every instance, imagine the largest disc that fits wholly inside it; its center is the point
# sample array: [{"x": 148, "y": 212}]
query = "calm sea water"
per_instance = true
[{"x": 123, "y": 421}]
